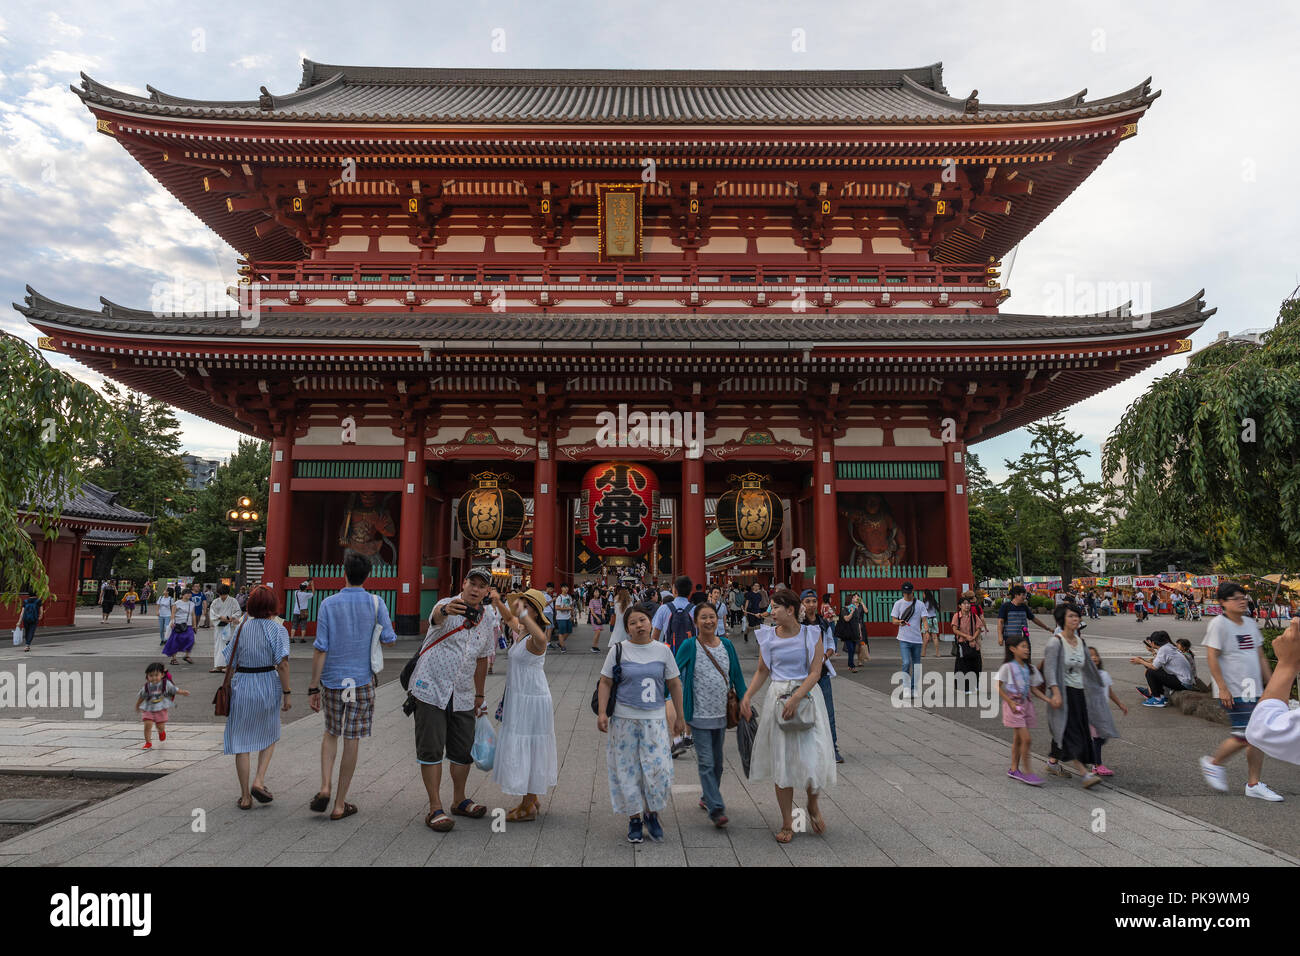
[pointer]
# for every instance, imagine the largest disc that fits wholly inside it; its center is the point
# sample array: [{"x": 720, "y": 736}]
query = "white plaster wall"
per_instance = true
[
  {"x": 862, "y": 438},
  {"x": 366, "y": 435},
  {"x": 915, "y": 437}
]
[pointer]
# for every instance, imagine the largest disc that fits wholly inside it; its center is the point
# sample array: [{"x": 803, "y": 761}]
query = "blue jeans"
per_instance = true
[
  {"x": 911, "y": 662},
  {"x": 851, "y": 649},
  {"x": 824, "y": 682},
  {"x": 708, "y": 756},
  {"x": 163, "y": 621}
]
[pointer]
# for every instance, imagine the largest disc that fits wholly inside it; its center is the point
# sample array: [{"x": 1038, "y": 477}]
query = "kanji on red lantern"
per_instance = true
[{"x": 620, "y": 505}]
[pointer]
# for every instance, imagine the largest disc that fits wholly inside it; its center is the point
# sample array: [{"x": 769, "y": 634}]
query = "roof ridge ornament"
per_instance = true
[
  {"x": 972, "y": 102},
  {"x": 266, "y": 101}
]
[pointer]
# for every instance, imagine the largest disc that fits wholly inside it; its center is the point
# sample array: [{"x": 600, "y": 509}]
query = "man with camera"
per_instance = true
[{"x": 447, "y": 689}]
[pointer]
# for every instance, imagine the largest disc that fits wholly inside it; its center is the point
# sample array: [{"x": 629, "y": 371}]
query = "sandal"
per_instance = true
[
  {"x": 187, "y": 659},
  {"x": 785, "y": 832},
  {"x": 319, "y": 803},
  {"x": 261, "y": 794},
  {"x": 521, "y": 814},
  {"x": 242, "y": 806},
  {"x": 348, "y": 810},
  {"x": 818, "y": 823},
  {"x": 439, "y": 821},
  {"x": 475, "y": 811}
]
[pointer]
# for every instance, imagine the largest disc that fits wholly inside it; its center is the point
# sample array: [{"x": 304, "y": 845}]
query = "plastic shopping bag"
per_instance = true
[
  {"x": 18, "y": 635},
  {"x": 484, "y": 750}
]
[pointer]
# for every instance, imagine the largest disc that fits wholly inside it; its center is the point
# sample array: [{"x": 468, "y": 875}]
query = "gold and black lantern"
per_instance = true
[
  {"x": 489, "y": 515},
  {"x": 749, "y": 514}
]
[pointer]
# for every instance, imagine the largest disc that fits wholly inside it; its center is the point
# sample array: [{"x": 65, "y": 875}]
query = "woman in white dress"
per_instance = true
[
  {"x": 526, "y": 761},
  {"x": 800, "y": 754},
  {"x": 619, "y": 605}
]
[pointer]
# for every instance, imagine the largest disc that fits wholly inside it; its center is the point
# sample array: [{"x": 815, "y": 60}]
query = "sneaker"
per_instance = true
[
  {"x": 148, "y": 745},
  {"x": 1261, "y": 792},
  {"x": 162, "y": 734},
  {"x": 1155, "y": 702},
  {"x": 1032, "y": 779},
  {"x": 1215, "y": 775},
  {"x": 1056, "y": 770},
  {"x": 1102, "y": 770},
  {"x": 703, "y": 805},
  {"x": 652, "y": 827},
  {"x": 1144, "y": 692},
  {"x": 679, "y": 748},
  {"x": 1091, "y": 780},
  {"x": 719, "y": 819},
  {"x": 595, "y": 650},
  {"x": 634, "y": 831},
  {"x": 838, "y": 757},
  {"x": 907, "y": 693}
]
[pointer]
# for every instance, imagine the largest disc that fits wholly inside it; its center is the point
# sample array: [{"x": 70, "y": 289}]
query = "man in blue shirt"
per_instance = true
[
  {"x": 342, "y": 682},
  {"x": 756, "y": 601},
  {"x": 660, "y": 630}
]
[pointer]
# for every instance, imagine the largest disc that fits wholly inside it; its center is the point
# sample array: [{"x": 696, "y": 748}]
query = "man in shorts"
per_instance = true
[
  {"x": 1235, "y": 650},
  {"x": 299, "y": 607},
  {"x": 342, "y": 683},
  {"x": 1015, "y": 615},
  {"x": 447, "y": 689}
]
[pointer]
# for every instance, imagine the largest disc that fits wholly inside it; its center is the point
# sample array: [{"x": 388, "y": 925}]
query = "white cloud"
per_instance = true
[
  {"x": 60, "y": 27},
  {"x": 251, "y": 61}
]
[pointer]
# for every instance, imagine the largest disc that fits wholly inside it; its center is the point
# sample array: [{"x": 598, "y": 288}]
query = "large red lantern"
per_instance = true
[{"x": 619, "y": 511}]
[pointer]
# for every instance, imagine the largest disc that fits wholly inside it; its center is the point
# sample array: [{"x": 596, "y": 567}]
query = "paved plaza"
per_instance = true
[{"x": 918, "y": 788}]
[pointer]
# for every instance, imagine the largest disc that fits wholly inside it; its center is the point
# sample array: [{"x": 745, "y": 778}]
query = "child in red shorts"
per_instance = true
[{"x": 155, "y": 700}]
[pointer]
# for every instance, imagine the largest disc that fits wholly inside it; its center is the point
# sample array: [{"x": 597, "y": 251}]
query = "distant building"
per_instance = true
[{"x": 202, "y": 471}]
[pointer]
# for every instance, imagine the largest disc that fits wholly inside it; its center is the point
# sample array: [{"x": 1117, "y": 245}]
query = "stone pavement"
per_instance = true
[
  {"x": 918, "y": 789},
  {"x": 31, "y": 744}
]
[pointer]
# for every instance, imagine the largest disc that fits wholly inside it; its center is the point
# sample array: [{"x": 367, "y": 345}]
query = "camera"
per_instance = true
[{"x": 472, "y": 614}]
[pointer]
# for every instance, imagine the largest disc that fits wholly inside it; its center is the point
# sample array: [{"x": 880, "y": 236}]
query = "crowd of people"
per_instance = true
[{"x": 672, "y": 681}]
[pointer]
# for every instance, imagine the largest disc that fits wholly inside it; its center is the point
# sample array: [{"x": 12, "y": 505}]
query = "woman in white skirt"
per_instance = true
[
  {"x": 801, "y": 753},
  {"x": 526, "y": 762},
  {"x": 618, "y": 607}
]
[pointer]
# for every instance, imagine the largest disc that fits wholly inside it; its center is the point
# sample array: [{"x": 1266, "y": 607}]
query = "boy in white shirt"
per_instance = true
[{"x": 1235, "y": 649}]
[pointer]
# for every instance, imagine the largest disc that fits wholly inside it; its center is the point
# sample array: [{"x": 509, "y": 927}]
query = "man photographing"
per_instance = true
[{"x": 447, "y": 685}]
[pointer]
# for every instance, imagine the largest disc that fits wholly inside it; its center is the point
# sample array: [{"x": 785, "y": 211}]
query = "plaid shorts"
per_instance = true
[
  {"x": 348, "y": 719},
  {"x": 1239, "y": 714}
]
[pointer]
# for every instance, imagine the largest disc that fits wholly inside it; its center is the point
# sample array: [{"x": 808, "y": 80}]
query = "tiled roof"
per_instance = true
[
  {"x": 580, "y": 330},
  {"x": 109, "y": 539},
  {"x": 354, "y": 94},
  {"x": 93, "y": 502}
]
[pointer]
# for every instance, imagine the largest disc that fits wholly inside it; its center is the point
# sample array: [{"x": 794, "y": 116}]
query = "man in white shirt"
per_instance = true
[
  {"x": 447, "y": 690},
  {"x": 907, "y": 615},
  {"x": 299, "y": 608},
  {"x": 1274, "y": 727},
  {"x": 227, "y": 613},
  {"x": 1235, "y": 650}
]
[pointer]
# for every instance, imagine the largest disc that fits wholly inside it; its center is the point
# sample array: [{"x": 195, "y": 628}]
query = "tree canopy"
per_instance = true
[{"x": 1210, "y": 450}]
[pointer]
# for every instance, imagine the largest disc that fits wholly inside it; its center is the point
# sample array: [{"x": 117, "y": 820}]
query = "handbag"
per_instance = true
[
  {"x": 376, "y": 653},
  {"x": 618, "y": 676},
  {"x": 221, "y": 699},
  {"x": 805, "y": 713},
  {"x": 733, "y": 702}
]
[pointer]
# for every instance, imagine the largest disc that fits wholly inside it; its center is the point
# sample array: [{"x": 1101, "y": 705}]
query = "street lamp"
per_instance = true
[{"x": 241, "y": 517}]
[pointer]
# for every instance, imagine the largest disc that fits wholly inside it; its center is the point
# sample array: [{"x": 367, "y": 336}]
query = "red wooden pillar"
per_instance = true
[
  {"x": 410, "y": 537},
  {"x": 824, "y": 514},
  {"x": 544, "y": 531},
  {"x": 279, "y": 510},
  {"x": 692, "y": 519},
  {"x": 799, "y": 540},
  {"x": 958, "y": 518},
  {"x": 440, "y": 537}
]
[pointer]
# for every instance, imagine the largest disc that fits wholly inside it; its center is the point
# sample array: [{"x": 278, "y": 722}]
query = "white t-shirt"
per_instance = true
[
  {"x": 301, "y": 601},
  {"x": 1171, "y": 659},
  {"x": 1275, "y": 729},
  {"x": 642, "y": 654},
  {"x": 786, "y": 657},
  {"x": 910, "y": 632},
  {"x": 563, "y": 607},
  {"x": 1106, "y": 680},
  {"x": 165, "y": 606},
  {"x": 1238, "y": 646},
  {"x": 1018, "y": 677}
]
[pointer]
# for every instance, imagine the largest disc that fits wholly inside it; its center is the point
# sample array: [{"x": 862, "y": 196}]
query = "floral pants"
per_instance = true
[{"x": 640, "y": 762}]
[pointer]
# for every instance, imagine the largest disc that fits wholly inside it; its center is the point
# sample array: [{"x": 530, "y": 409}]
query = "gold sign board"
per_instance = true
[
  {"x": 45, "y": 342},
  {"x": 619, "y": 212},
  {"x": 298, "y": 571},
  {"x": 1182, "y": 345}
]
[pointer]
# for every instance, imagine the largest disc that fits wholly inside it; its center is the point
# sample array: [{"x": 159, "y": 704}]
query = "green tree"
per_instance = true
[
  {"x": 1056, "y": 506},
  {"x": 46, "y": 417},
  {"x": 1211, "y": 449},
  {"x": 991, "y": 545},
  {"x": 248, "y": 473}
]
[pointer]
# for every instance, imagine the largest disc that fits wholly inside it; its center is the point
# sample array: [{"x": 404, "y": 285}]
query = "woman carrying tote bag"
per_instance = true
[{"x": 793, "y": 745}]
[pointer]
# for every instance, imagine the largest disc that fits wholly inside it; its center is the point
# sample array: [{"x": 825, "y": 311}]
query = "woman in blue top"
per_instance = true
[
  {"x": 33, "y": 611},
  {"x": 639, "y": 753},
  {"x": 259, "y": 691},
  {"x": 704, "y": 700}
]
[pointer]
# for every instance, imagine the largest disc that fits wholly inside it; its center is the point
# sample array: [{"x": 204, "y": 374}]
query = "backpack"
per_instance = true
[
  {"x": 680, "y": 627},
  {"x": 31, "y": 612}
]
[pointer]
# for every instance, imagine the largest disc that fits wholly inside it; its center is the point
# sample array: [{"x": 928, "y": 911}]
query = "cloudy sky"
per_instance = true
[{"x": 1195, "y": 200}]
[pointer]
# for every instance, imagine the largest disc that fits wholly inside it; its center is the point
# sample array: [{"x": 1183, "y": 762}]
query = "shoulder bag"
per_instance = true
[
  {"x": 805, "y": 713},
  {"x": 221, "y": 699},
  {"x": 376, "y": 653},
  {"x": 618, "y": 676},
  {"x": 733, "y": 702}
]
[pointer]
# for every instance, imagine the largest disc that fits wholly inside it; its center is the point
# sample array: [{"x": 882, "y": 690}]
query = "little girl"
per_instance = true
[
  {"x": 155, "y": 698},
  {"x": 1185, "y": 647},
  {"x": 129, "y": 601},
  {"x": 596, "y": 618},
  {"x": 1018, "y": 682},
  {"x": 1101, "y": 769}
]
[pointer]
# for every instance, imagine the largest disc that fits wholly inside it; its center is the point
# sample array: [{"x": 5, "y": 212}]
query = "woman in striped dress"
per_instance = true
[{"x": 259, "y": 691}]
